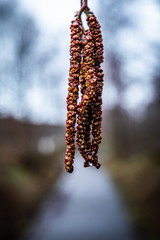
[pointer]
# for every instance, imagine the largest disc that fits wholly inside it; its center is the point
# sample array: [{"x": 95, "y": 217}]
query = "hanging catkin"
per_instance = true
[
  {"x": 87, "y": 98},
  {"x": 94, "y": 27},
  {"x": 86, "y": 55},
  {"x": 73, "y": 85}
]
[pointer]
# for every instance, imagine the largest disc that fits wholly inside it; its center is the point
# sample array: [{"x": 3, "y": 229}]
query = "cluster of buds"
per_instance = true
[
  {"x": 94, "y": 27},
  {"x": 73, "y": 85},
  {"x": 86, "y": 53}
]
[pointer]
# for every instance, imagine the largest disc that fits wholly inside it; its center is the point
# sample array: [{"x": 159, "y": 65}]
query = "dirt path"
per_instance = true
[{"x": 84, "y": 206}]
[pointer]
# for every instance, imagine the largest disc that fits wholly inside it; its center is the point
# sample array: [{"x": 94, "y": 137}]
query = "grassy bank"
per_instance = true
[
  {"x": 139, "y": 181},
  {"x": 28, "y": 170}
]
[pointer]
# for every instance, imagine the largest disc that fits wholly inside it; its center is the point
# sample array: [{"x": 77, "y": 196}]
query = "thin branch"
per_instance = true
[{"x": 84, "y": 7}]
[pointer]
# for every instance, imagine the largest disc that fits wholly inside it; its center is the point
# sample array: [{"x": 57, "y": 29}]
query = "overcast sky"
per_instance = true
[{"x": 53, "y": 19}]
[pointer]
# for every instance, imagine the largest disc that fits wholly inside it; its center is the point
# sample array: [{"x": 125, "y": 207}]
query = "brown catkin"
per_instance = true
[
  {"x": 87, "y": 90},
  {"x": 73, "y": 85},
  {"x": 86, "y": 51},
  {"x": 94, "y": 27},
  {"x": 87, "y": 101}
]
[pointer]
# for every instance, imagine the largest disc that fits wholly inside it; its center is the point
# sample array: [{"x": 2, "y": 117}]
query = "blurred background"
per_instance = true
[{"x": 37, "y": 198}]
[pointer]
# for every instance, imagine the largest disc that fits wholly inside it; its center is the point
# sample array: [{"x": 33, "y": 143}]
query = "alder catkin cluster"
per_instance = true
[{"x": 86, "y": 55}]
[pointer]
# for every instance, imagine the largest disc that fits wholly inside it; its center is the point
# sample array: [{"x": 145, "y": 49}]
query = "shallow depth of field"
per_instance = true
[{"x": 38, "y": 199}]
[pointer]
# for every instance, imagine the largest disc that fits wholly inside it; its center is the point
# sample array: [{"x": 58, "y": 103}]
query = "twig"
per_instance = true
[{"x": 84, "y": 7}]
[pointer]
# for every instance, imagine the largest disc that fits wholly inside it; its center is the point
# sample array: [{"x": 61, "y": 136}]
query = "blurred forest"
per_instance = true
[
  {"x": 27, "y": 61},
  {"x": 131, "y": 131},
  {"x": 132, "y": 135},
  {"x": 31, "y": 154}
]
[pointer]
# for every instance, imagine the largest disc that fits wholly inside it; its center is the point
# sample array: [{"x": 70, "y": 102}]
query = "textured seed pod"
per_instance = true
[
  {"x": 83, "y": 122},
  {"x": 82, "y": 79},
  {"x": 94, "y": 27},
  {"x": 88, "y": 87},
  {"x": 73, "y": 85},
  {"x": 85, "y": 60}
]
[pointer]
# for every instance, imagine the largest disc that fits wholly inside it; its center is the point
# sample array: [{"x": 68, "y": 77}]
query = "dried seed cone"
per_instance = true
[{"x": 73, "y": 85}]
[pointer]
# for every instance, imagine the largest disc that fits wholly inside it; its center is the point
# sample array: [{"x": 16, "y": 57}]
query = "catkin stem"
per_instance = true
[{"x": 84, "y": 7}]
